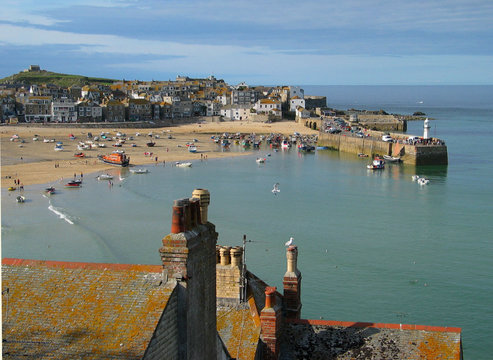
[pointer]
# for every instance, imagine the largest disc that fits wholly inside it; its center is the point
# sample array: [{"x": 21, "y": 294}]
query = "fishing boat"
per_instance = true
[
  {"x": 139, "y": 171},
  {"x": 285, "y": 144},
  {"x": 391, "y": 158},
  {"x": 192, "y": 149},
  {"x": 58, "y": 148},
  {"x": 303, "y": 147},
  {"x": 183, "y": 164},
  {"x": 20, "y": 199},
  {"x": 115, "y": 158},
  {"x": 377, "y": 164},
  {"x": 50, "y": 190},
  {"x": 105, "y": 177},
  {"x": 79, "y": 155}
]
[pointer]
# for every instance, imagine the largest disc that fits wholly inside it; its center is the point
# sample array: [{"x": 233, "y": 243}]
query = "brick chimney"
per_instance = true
[
  {"x": 188, "y": 256},
  {"x": 292, "y": 285},
  {"x": 270, "y": 323}
]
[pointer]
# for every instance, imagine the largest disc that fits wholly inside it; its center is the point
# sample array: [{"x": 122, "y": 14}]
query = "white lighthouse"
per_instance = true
[{"x": 427, "y": 127}]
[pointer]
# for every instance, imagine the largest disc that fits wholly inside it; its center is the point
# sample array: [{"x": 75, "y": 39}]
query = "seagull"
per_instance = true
[
  {"x": 275, "y": 190},
  {"x": 291, "y": 239}
]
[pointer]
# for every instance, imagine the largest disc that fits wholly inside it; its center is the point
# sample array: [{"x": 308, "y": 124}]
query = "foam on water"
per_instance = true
[{"x": 61, "y": 214}]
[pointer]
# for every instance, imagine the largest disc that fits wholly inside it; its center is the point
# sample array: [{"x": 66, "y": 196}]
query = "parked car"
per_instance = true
[
  {"x": 387, "y": 138},
  {"x": 360, "y": 134}
]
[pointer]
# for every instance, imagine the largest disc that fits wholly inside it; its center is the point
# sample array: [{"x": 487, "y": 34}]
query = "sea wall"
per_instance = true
[{"x": 409, "y": 154}]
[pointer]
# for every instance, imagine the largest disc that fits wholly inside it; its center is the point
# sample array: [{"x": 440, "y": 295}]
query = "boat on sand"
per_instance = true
[{"x": 115, "y": 158}]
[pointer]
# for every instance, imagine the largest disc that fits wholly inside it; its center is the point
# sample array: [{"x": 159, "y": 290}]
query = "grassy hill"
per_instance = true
[{"x": 48, "y": 77}]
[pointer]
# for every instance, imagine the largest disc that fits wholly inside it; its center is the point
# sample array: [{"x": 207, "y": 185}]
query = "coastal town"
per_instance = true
[{"x": 176, "y": 101}]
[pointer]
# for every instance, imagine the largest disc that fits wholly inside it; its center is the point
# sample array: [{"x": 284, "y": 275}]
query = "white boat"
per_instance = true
[
  {"x": 46, "y": 140},
  {"x": 377, "y": 164},
  {"x": 105, "y": 177},
  {"x": 139, "y": 171},
  {"x": 184, "y": 164},
  {"x": 101, "y": 145},
  {"x": 415, "y": 177},
  {"x": 423, "y": 181},
  {"x": 58, "y": 148},
  {"x": 192, "y": 148},
  {"x": 391, "y": 158},
  {"x": 260, "y": 160}
]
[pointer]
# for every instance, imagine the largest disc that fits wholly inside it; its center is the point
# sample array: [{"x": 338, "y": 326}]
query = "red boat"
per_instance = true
[
  {"x": 115, "y": 158},
  {"x": 80, "y": 155},
  {"x": 74, "y": 184}
]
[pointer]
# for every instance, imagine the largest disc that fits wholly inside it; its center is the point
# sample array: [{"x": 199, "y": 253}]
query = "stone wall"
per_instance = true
[{"x": 409, "y": 154}]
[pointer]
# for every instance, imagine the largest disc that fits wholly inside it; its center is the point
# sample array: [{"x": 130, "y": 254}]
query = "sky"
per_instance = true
[{"x": 310, "y": 42}]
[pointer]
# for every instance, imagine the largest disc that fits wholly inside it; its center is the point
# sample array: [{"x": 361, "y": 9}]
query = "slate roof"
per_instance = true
[
  {"x": 63, "y": 310},
  {"x": 313, "y": 339}
]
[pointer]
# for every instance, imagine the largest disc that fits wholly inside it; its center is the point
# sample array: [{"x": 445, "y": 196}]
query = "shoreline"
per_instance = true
[{"x": 33, "y": 162}]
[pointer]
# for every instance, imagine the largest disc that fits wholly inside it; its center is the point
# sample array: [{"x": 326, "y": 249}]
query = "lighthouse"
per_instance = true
[{"x": 427, "y": 127}]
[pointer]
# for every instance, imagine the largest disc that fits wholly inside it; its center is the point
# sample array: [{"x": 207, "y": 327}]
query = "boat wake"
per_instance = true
[{"x": 61, "y": 214}]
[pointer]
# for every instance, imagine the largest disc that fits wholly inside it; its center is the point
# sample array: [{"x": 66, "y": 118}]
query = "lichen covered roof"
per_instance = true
[
  {"x": 312, "y": 339},
  {"x": 239, "y": 331},
  {"x": 62, "y": 310}
]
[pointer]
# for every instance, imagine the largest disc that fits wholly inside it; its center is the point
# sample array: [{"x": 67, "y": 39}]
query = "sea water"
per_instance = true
[{"x": 374, "y": 246}]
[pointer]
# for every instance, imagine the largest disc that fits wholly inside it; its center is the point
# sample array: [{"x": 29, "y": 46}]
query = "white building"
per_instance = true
[
  {"x": 266, "y": 105},
  {"x": 296, "y": 91},
  {"x": 236, "y": 112},
  {"x": 295, "y": 102},
  {"x": 63, "y": 110}
]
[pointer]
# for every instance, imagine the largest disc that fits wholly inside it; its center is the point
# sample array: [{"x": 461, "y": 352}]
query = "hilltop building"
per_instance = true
[{"x": 200, "y": 303}]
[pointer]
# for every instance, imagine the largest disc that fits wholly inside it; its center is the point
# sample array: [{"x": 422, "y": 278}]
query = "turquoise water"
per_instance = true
[{"x": 373, "y": 246}]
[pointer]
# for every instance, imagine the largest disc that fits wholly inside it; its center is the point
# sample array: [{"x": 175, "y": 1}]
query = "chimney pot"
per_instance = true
[{"x": 270, "y": 297}]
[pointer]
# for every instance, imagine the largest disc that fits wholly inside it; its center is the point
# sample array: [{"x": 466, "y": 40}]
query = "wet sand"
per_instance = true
[{"x": 33, "y": 162}]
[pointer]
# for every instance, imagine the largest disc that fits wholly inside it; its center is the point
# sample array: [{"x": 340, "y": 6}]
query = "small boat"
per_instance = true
[
  {"x": 20, "y": 199},
  {"x": 139, "y": 171},
  {"x": 105, "y": 177},
  {"x": 12, "y": 188},
  {"x": 391, "y": 158},
  {"x": 184, "y": 164},
  {"x": 118, "y": 144},
  {"x": 115, "y": 158},
  {"x": 79, "y": 155},
  {"x": 260, "y": 160},
  {"x": 276, "y": 189},
  {"x": 362, "y": 155},
  {"x": 73, "y": 184},
  {"x": 46, "y": 140},
  {"x": 192, "y": 149},
  {"x": 50, "y": 190},
  {"x": 151, "y": 144},
  {"x": 415, "y": 177},
  {"x": 377, "y": 164},
  {"x": 285, "y": 144},
  {"x": 58, "y": 148},
  {"x": 101, "y": 145},
  {"x": 322, "y": 148}
]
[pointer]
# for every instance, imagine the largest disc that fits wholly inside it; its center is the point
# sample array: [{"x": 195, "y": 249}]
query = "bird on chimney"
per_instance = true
[{"x": 290, "y": 241}]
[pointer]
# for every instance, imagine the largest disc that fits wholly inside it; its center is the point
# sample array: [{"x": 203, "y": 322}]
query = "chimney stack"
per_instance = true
[
  {"x": 270, "y": 323},
  {"x": 204, "y": 200},
  {"x": 292, "y": 285}
]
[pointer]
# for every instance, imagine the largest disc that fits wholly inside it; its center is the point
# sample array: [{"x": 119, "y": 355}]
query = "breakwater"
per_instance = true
[{"x": 410, "y": 154}]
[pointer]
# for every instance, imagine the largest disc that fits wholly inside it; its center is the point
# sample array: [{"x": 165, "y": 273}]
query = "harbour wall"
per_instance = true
[{"x": 409, "y": 154}]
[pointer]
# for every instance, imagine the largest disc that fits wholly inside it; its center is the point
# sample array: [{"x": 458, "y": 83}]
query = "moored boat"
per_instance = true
[
  {"x": 115, "y": 158},
  {"x": 12, "y": 188},
  {"x": 139, "y": 171},
  {"x": 74, "y": 184},
  {"x": 80, "y": 154},
  {"x": 377, "y": 164},
  {"x": 391, "y": 158},
  {"x": 105, "y": 177},
  {"x": 151, "y": 144},
  {"x": 50, "y": 190},
  {"x": 183, "y": 164},
  {"x": 192, "y": 149},
  {"x": 20, "y": 199},
  {"x": 260, "y": 160}
]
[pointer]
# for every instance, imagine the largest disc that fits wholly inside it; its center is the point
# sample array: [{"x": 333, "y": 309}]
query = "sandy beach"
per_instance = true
[{"x": 36, "y": 162}]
